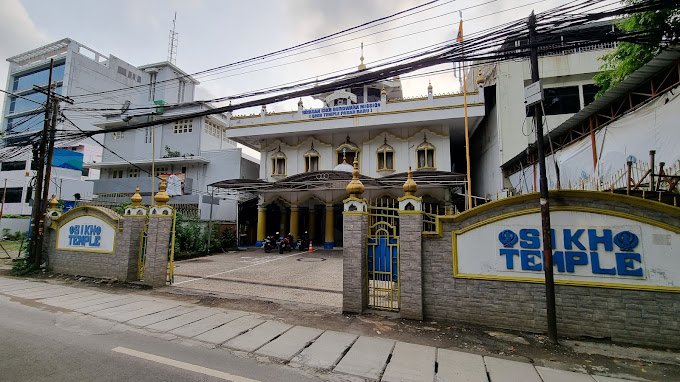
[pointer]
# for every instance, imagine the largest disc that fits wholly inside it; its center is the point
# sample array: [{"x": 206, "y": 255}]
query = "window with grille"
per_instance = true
[
  {"x": 183, "y": 126},
  {"x": 311, "y": 160},
  {"x": 161, "y": 170},
  {"x": 279, "y": 164},
  {"x": 425, "y": 155},
  {"x": 133, "y": 173},
  {"x": 116, "y": 174},
  {"x": 116, "y": 135},
  {"x": 385, "y": 157}
]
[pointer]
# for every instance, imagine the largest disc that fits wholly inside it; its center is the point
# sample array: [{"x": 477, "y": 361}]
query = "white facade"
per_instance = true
[
  {"x": 195, "y": 150},
  {"x": 567, "y": 80}
]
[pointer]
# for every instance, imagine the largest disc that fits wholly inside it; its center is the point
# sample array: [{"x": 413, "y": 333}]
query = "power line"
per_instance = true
[{"x": 298, "y": 46}]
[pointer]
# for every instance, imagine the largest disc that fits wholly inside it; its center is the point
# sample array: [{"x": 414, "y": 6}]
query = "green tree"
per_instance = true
[{"x": 628, "y": 57}]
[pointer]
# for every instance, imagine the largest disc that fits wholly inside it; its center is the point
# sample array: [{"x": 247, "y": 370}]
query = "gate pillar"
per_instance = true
[
  {"x": 133, "y": 223},
  {"x": 158, "y": 239},
  {"x": 410, "y": 251},
  {"x": 355, "y": 233}
]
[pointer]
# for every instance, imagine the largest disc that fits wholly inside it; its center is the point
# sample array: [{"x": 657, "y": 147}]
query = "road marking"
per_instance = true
[
  {"x": 182, "y": 365},
  {"x": 238, "y": 269}
]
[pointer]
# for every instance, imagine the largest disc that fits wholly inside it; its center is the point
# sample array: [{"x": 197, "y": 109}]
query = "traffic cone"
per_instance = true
[{"x": 310, "y": 247}]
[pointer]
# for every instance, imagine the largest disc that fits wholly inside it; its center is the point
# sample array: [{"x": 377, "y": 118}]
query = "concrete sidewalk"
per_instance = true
[{"x": 357, "y": 357}]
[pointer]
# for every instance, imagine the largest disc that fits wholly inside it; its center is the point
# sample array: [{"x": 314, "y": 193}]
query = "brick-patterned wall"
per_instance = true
[
  {"x": 111, "y": 265},
  {"x": 354, "y": 279},
  {"x": 156, "y": 260},
  {"x": 410, "y": 267},
  {"x": 639, "y": 317},
  {"x": 133, "y": 227}
]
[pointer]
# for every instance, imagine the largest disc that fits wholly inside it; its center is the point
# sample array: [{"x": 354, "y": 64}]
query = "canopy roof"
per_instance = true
[{"x": 337, "y": 180}]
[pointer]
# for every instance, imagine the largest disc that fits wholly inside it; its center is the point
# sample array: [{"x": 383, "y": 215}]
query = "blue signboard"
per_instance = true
[{"x": 68, "y": 159}]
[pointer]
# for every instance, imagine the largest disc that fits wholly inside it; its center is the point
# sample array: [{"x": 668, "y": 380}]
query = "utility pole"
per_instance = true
[
  {"x": 543, "y": 187},
  {"x": 35, "y": 252},
  {"x": 43, "y": 156}
]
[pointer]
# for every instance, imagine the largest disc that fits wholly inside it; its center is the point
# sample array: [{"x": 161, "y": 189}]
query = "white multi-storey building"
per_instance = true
[
  {"x": 568, "y": 85},
  {"x": 307, "y": 154},
  {"x": 194, "y": 150}
]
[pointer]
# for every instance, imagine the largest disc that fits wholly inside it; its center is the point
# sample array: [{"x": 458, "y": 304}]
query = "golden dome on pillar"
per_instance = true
[
  {"x": 410, "y": 187},
  {"x": 54, "y": 203},
  {"x": 162, "y": 197},
  {"x": 355, "y": 188},
  {"x": 136, "y": 198}
]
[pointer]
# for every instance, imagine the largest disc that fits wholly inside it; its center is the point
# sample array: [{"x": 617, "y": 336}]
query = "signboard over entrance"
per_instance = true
[
  {"x": 335, "y": 111},
  {"x": 86, "y": 233},
  {"x": 588, "y": 249}
]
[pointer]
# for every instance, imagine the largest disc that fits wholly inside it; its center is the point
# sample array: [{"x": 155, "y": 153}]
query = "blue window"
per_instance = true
[
  {"x": 25, "y": 123},
  {"x": 38, "y": 77},
  {"x": 20, "y": 105}
]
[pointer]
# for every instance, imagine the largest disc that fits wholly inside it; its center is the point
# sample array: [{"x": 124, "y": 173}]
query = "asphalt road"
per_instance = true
[{"x": 51, "y": 345}]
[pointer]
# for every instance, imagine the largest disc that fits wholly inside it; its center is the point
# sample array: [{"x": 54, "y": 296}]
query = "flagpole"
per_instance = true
[{"x": 465, "y": 109}]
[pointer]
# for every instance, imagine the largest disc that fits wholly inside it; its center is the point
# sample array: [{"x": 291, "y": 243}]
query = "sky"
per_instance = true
[{"x": 214, "y": 33}]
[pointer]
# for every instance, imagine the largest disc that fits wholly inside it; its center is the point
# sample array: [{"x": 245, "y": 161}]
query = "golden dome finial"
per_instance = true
[
  {"x": 410, "y": 187},
  {"x": 136, "y": 198},
  {"x": 362, "y": 66},
  {"x": 54, "y": 203},
  {"x": 162, "y": 197},
  {"x": 355, "y": 188}
]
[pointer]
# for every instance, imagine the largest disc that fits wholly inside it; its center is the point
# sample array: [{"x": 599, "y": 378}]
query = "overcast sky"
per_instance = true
[{"x": 213, "y": 33}]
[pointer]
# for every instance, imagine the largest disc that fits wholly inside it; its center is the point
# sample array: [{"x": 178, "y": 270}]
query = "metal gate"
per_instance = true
[
  {"x": 143, "y": 239},
  {"x": 382, "y": 255}
]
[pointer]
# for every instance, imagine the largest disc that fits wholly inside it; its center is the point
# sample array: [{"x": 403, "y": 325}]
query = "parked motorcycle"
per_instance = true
[
  {"x": 286, "y": 243},
  {"x": 303, "y": 242},
  {"x": 269, "y": 243}
]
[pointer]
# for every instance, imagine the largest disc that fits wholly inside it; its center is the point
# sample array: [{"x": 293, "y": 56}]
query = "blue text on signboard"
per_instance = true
[
  {"x": 85, "y": 235},
  {"x": 586, "y": 248},
  {"x": 335, "y": 111}
]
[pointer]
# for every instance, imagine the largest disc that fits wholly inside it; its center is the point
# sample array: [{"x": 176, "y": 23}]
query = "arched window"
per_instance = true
[
  {"x": 279, "y": 163},
  {"x": 347, "y": 152},
  {"x": 385, "y": 157},
  {"x": 425, "y": 155},
  {"x": 311, "y": 160}
]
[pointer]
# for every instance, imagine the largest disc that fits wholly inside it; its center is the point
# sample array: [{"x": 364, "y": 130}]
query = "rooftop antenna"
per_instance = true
[
  {"x": 362, "y": 66},
  {"x": 172, "y": 43}
]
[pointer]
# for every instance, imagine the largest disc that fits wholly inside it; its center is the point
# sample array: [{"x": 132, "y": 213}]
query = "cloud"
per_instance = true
[{"x": 18, "y": 31}]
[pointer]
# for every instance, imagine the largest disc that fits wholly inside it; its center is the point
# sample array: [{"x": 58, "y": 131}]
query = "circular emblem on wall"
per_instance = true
[
  {"x": 508, "y": 238},
  {"x": 626, "y": 240}
]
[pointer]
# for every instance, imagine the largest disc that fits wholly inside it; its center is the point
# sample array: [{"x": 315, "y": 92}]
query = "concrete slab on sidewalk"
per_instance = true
[
  {"x": 185, "y": 319},
  {"x": 411, "y": 363},
  {"x": 52, "y": 292},
  {"x": 258, "y": 336},
  {"x": 460, "y": 367},
  {"x": 290, "y": 343},
  {"x": 83, "y": 301},
  {"x": 113, "y": 311},
  {"x": 205, "y": 324},
  {"x": 326, "y": 351},
  {"x": 52, "y": 301},
  {"x": 230, "y": 330},
  {"x": 367, "y": 358},
  {"x": 15, "y": 288},
  {"x": 503, "y": 370},
  {"x": 555, "y": 375},
  {"x": 150, "y": 308},
  {"x": 95, "y": 305},
  {"x": 161, "y": 316}
]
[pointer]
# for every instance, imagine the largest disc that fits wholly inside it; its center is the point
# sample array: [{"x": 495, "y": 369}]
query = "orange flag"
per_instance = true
[{"x": 459, "y": 38}]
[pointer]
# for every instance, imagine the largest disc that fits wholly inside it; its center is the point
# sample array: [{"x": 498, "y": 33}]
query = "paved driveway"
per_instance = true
[{"x": 294, "y": 276}]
